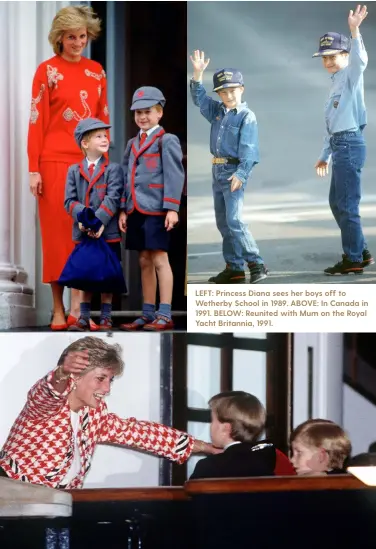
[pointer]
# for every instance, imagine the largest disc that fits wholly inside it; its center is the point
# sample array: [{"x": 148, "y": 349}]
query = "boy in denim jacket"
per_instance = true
[
  {"x": 234, "y": 146},
  {"x": 344, "y": 144}
]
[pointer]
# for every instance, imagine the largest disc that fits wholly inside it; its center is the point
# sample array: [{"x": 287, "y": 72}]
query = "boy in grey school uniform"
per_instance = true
[
  {"x": 153, "y": 183},
  {"x": 97, "y": 184},
  {"x": 344, "y": 144},
  {"x": 234, "y": 146}
]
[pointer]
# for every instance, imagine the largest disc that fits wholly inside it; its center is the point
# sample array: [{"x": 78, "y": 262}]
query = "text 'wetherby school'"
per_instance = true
[{"x": 312, "y": 301}]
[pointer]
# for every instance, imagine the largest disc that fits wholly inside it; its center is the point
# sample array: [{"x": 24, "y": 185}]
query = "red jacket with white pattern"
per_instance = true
[{"x": 39, "y": 448}]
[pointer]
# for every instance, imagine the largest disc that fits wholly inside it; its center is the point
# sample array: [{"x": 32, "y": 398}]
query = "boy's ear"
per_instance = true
[
  {"x": 227, "y": 428},
  {"x": 323, "y": 456}
]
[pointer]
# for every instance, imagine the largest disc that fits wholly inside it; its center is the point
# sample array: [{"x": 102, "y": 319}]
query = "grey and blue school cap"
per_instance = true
[
  {"x": 88, "y": 125},
  {"x": 147, "y": 97}
]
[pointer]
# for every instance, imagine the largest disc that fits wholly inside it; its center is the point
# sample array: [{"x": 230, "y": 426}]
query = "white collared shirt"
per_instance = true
[
  {"x": 76, "y": 463},
  {"x": 95, "y": 162},
  {"x": 231, "y": 444},
  {"x": 151, "y": 130}
]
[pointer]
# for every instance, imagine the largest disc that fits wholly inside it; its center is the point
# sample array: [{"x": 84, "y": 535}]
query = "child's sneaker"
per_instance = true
[
  {"x": 345, "y": 267},
  {"x": 257, "y": 272},
  {"x": 228, "y": 276},
  {"x": 367, "y": 259}
]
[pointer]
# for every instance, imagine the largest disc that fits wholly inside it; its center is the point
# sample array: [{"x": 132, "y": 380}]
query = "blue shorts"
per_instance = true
[{"x": 146, "y": 232}]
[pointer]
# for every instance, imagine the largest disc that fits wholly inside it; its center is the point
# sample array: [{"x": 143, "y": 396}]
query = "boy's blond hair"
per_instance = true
[
  {"x": 243, "y": 411},
  {"x": 323, "y": 433},
  {"x": 73, "y": 18},
  {"x": 101, "y": 354}
]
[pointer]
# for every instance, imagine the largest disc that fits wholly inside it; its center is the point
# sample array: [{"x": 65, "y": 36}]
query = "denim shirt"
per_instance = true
[
  {"x": 345, "y": 108},
  {"x": 233, "y": 134}
]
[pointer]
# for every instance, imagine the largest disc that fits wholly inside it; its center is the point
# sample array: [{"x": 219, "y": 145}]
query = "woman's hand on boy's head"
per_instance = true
[
  {"x": 322, "y": 168},
  {"x": 171, "y": 220},
  {"x": 199, "y": 62},
  {"x": 357, "y": 16}
]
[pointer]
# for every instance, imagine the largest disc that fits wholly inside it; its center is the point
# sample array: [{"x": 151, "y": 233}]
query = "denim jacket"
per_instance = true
[
  {"x": 345, "y": 108},
  {"x": 233, "y": 134}
]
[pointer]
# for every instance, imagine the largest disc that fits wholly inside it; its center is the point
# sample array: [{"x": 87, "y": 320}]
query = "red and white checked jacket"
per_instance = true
[{"x": 39, "y": 448}]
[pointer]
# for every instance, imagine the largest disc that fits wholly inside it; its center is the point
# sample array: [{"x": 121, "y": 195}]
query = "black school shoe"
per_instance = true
[
  {"x": 257, "y": 272},
  {"x": 345, "y": 267},
  {"x": 228, "y": 276}
]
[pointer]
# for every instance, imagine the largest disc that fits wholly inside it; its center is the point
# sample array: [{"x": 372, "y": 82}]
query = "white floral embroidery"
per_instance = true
[
  {"x": 99, "y": 91},
  {"x": 34, "y": 113},
  {"x": 97, "y": 75},
  {"x": 69, "y": 114},
  {"x": 105, "y": 110},
  {"x": 53, "y": 76}
]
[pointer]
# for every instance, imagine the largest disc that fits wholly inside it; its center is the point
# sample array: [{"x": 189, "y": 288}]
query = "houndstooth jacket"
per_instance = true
[{"x": 39, "y": 447}]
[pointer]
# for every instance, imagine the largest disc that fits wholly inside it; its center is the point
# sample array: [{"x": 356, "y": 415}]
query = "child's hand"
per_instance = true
[
  {"x": 99, "y": 233},
  {"x": 235, "y": 183},
  {"x": 35, "y": 184},
  {"x": 122, "y": 222},
  {"x": 322, "y": 168},
  {"x": 199, "y": 64},
  {"x": 171, "y": 220},
  {"x": 357, "y": 17}
]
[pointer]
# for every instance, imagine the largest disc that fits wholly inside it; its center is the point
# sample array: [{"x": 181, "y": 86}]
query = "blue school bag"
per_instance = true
[{"x": 93, "y": 266}]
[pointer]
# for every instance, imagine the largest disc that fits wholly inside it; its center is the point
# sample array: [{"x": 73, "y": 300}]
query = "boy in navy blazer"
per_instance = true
[
  {"x": 153, "y": 184},
  {"x": 97, "y": 184},
  {"x": 238, "y": 420}
]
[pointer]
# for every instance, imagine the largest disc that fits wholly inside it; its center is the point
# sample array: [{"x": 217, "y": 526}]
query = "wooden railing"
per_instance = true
[
  {"x": 223, "y": 486},
  {"x": 253, "y": 513}
]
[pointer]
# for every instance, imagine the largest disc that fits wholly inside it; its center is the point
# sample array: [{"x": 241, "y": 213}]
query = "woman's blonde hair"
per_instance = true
[
  {"x": 73, "y": 18},
  {"x": 101, "y": 354}
]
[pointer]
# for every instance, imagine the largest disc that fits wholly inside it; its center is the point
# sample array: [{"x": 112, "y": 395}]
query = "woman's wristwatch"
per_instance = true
[{"x": 33, "y": 173}]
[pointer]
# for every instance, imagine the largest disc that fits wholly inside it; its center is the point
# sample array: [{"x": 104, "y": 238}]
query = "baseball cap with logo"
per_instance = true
[
  {"x": 147, "y": 97},
  {"x": 227, "y": 78},
  {"x": 332, "y": 43}
]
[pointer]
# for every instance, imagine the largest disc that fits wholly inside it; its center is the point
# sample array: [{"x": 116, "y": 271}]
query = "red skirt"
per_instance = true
[{"x": 55, "y": 223}]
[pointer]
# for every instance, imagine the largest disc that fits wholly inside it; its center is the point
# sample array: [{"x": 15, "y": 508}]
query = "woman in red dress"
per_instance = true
[{"x": 66, "y": 88}]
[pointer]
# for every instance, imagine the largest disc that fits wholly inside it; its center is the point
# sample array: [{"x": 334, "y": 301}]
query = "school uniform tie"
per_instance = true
[
  {"x": 143, "y": 138},
  {"x": 91, "y": 169}
]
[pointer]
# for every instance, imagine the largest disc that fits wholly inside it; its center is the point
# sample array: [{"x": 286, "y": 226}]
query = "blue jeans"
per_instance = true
[
  {"x": 348, "y": 155},
  {"x": 238, "y": 245}
]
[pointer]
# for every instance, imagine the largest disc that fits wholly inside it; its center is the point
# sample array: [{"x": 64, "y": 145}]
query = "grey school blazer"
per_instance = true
[
  {"x": 102, "y": 193},
  {"x": 153, "y": 175}
]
